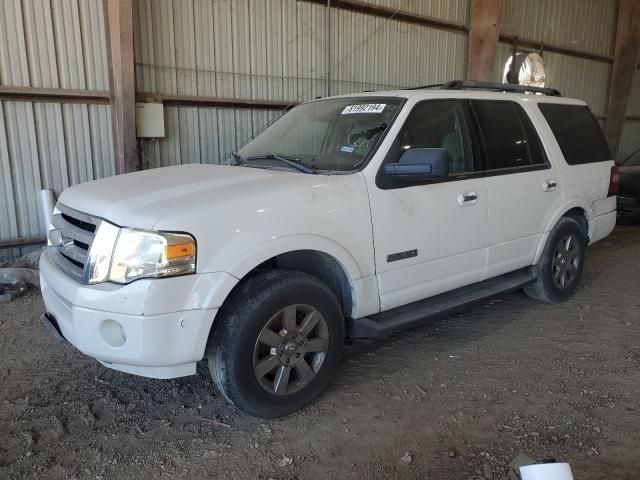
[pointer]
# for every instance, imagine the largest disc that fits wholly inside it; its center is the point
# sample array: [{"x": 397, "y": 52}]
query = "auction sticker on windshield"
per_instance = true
[{"x": 364, "y": 108}]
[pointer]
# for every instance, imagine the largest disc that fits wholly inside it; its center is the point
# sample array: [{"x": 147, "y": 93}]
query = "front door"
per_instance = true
[{"x": 431, "y": 236}]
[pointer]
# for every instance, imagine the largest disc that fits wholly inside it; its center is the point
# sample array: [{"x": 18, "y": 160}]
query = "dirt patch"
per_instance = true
[{"x": 458, "y": 398}]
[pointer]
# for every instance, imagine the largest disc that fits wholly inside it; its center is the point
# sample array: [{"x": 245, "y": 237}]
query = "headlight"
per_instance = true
[
  {"x": 143, "y": 254},
  {"x": 140, "y": 254}
]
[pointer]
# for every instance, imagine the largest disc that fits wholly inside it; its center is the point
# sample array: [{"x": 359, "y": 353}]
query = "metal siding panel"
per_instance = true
[
  {"x": 75, "y": 119},
  {"x": 185, "y": 48},
  {"x": 144, "y": 50},
  {"x": 630, "y": 141},
  {"x": 578, "y": 78},
  {"x": 38, "y": 27},
  {"x": 452, "y": 10},
  {"x": 374, "y": 53},
  {"x": 24, "y": 167},
  {"x": 51, "y": 146},
  {"x": 633, "y": 106},
  {"x": 13, "y": 57},
  {"x": 587, "y": 25},
  {"x": 101, "y": 141},
  {"x": 189, "y": 135},
  {"x": 94, "y": 44},
  {"x": 66, "y": 28},
  {"x": 8, "y": 220}
]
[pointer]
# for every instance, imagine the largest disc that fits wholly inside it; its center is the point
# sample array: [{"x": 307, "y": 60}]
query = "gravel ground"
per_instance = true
[{"x": 456, "y": 399}]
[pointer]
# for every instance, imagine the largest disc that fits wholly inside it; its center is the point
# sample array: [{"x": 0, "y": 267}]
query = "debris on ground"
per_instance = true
[
  {"x": 406, "y": 459},
  {"x": 285, "y": 461},
  {"x": 16, "y": 277}
]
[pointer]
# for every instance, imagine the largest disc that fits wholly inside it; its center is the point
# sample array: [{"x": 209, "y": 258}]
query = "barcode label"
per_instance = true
[{"x": 364, "y": 108}]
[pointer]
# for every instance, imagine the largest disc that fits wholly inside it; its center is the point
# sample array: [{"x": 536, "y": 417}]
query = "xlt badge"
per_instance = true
[{"x": 393, "y": 257}]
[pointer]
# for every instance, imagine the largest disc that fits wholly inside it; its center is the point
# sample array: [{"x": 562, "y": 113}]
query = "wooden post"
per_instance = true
[
  {"x": 483, "y": 38},
  {"x": 624, "y": 66},
  {"x": 119, "y": 30}
]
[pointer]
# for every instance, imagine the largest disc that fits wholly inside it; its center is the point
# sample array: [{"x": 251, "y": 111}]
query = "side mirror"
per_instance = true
[{"x": 420, "y": 164}]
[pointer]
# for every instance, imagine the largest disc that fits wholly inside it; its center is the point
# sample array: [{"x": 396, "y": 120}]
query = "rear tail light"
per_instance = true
[{"x": 614, "y": 181}]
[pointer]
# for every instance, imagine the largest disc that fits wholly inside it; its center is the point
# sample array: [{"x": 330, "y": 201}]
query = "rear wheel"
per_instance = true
[
  {"x": 277, "y": 344},
  {"x": 561, "y": 264}
]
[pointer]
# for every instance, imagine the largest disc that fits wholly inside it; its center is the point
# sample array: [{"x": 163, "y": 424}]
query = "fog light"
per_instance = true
[{"x": 113, "y": 333}]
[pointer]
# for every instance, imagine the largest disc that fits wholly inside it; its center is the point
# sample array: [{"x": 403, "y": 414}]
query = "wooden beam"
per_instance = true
[
  {"x": 119, "y": 24},
  {"x": 22, "y": 242},
  {"x": 625, "y": 59},
  {"x": 53, "y": 95},
  {"x": 549, "y": 47},
  {"x": 483, "y": 38},
  {"x": 215, "y": 102},
  {"x": 390, "y": 13}
]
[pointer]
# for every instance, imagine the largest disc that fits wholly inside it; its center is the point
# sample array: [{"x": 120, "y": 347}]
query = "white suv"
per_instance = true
[{"x": 352, "y": 216}]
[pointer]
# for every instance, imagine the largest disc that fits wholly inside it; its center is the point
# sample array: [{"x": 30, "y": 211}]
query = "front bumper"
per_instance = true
[{"x": 152, "y": 327}]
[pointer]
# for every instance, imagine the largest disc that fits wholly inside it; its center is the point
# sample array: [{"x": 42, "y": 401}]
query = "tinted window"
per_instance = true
[
  {"x": 437, "y": 124},
  {"x": 508, "y": 137},
  {"x": 578, "y": 133}
]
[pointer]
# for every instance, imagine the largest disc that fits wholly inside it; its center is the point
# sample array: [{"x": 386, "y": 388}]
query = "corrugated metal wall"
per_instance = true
[
  {"x": 46, "y": 44},
  {"x": 277, "y": 50},
  {"x": 630, "y": 141},
  {"x": 254, "y": 49},
  {"x": 586, "y": 25}
]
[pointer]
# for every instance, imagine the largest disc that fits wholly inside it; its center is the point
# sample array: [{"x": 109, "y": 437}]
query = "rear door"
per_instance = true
[{"x": 524, "y": 188}]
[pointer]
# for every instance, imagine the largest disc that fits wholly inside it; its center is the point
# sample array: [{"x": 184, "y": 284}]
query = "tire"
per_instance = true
[
  {"x": 260, "y": 361},
  {"x": 560, "y": 268}
]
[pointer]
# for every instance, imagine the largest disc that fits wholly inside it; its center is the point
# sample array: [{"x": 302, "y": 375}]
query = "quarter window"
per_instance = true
[
  {"x": 577, "y": 132},
  {"x": 509, "y": 139}
]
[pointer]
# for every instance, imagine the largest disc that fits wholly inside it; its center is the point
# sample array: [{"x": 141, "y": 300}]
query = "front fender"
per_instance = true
[{"x": 290, "y": 243}]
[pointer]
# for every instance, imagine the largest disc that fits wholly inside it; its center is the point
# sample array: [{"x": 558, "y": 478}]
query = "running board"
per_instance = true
[{"x": 416, "y": 313}]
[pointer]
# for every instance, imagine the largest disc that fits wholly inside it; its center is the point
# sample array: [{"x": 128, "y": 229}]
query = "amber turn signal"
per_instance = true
[{"x": 178, "y": 250}]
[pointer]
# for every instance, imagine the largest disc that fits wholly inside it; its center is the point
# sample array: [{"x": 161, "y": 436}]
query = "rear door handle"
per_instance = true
[
  {"x": 467, "y": 199},
  {"x": 549, "y": 185}
]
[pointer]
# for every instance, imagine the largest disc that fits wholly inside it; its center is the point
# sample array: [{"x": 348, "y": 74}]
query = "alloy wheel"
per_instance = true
[
  {"x": 566, "y": 262},
  {"x": 290, "y": 349}
]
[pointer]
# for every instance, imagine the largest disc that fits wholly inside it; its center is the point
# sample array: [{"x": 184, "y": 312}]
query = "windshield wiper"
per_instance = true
[{"x": 292, "y": 162}]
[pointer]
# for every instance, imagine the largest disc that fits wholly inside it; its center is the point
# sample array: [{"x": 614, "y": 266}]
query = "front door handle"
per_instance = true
[
  {"x": 549, "y": 185},
  {"x": 467, "y": 199}
]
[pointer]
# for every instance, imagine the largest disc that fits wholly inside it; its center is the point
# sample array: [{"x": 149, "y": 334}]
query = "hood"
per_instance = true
[{"x": 141, "y": 199}]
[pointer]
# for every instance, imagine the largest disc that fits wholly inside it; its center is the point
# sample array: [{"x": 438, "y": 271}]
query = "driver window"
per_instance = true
[{"x": 437, "y": 124}]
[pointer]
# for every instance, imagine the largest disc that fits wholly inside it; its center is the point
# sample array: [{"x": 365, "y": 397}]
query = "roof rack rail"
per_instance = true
[
  {"x": 433, "y": 85},
  {"x": 499, "y": 87}
]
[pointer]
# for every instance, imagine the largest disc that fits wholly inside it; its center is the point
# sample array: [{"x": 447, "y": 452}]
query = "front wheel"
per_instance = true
[
  {"x": 560, "y": 267},
  {"x": 277, "y": 343}
]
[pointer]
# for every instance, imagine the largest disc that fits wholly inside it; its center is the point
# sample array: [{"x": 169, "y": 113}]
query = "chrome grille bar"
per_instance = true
[{"x": 70, "y": 250}]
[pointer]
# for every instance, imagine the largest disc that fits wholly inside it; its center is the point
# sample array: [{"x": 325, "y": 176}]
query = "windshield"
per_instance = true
[{"x": 335, "y": 135}]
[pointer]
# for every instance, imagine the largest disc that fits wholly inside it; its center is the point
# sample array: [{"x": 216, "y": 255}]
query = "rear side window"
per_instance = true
[
  {"x": 509, "y": 139},
  {"x": 578, "y": 133}
]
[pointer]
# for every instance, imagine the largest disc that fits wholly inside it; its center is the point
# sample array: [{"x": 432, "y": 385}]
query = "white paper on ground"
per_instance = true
[{"x": 546, "y": 471}]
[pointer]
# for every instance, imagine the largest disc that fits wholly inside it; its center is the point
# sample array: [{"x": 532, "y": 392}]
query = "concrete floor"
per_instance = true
[{"x": 462, "y": 396}]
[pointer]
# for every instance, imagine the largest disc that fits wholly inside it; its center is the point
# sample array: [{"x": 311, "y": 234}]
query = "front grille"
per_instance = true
[{"x": 77, "y": 230}]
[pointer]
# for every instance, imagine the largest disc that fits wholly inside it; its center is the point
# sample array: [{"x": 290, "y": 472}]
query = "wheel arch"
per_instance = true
[
  {"x": 577, "y": 209},
  {"x": 317, "y": 256}
]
